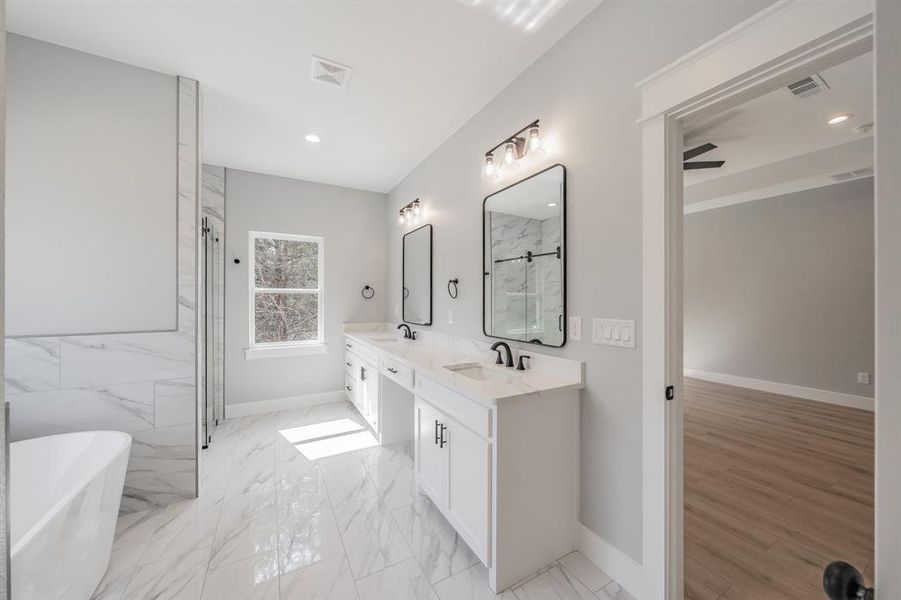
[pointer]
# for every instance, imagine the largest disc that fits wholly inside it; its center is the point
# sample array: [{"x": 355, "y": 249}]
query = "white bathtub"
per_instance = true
[{"x": 64, "y": 501}]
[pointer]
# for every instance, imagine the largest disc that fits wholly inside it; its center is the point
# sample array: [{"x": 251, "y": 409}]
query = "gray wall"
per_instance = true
[
  {"x": 91, "y": 156},
  {"x": 140, "y": 383},
  {"x": 352, "y": 223},
  {"x": 782, "y": 289},
  {"x": 583, "y": 90}
]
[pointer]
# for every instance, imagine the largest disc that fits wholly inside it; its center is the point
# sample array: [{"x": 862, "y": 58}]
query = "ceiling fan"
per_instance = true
[{"x": 700, "y": 164}]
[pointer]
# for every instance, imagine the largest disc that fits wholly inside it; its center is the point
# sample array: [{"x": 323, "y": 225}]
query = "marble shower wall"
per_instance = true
[
  {"x": 140, "y": 383},
  {"x": 527, "y": 297}
]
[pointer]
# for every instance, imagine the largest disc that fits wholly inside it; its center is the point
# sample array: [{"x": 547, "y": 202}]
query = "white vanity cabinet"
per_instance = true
[
  {"x": 361, "y": 381},
  {"x": 497, "y": 455}
]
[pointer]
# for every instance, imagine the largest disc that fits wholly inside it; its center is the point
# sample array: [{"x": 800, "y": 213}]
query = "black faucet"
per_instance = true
[
  {"x": 496, "y": 347},
  {"x": 409, "y": 334},
  {"x": 519, "y": 365}
]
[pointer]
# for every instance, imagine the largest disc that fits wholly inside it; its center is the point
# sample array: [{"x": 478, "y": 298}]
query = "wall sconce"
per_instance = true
[
  {"x": 410, "y": 214},
  {"x": 515, "y": 148}
]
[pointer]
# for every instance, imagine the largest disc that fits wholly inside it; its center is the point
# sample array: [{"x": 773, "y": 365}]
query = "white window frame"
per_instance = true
[{"x": 273, "y": 349}]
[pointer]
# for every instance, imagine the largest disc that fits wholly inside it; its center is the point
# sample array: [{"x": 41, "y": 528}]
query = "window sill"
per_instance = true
[{"x": 284, "y": 351}]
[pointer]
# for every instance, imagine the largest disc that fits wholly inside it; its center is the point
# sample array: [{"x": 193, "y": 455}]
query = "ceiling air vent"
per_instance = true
[
  {"x": 330, "y": 72},
  {"x": 809, "y": 86},
  {"x": 849, "y": 175}
]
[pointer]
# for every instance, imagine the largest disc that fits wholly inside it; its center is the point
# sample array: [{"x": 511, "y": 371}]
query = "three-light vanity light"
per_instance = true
[
  {"x": 527, "y": 141},
  {"x": 410, "y": 214}
]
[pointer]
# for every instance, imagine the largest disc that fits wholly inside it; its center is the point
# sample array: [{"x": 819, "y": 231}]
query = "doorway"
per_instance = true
[
  {"x": 779, "y": 338},
  {"x": 776, "y": 47}
]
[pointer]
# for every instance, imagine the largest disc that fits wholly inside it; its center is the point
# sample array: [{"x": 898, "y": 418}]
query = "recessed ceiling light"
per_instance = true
[
  {"x": 312, "y": 138},
  {"x": 840, "y": 118},
  {"x": 552, "y": 204}
]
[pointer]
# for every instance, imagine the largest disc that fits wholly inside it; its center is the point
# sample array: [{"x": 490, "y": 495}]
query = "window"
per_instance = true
[{"x": 285, "y": 294}]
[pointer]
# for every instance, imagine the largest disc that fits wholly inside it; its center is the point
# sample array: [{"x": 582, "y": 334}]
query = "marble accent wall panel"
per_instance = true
[{"x": 142, "y": 383}]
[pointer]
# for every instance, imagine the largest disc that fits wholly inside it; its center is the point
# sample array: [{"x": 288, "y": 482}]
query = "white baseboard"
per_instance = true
[
  {"x": 264, "y": 406},
  {"x": 614, "y": 562},
  {"x": 786, "y": 389}
]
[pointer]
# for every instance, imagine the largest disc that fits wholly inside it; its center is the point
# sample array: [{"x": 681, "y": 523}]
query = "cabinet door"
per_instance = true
[
  {"x": 469, "y": 486},
  {"x": 371, "y": 389},
  {"x": 369, "y": 394},
  {"x": 430, "y": 457}
]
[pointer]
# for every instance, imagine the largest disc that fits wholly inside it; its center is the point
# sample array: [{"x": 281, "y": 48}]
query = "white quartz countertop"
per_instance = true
[{"x": 429, "y": 357}]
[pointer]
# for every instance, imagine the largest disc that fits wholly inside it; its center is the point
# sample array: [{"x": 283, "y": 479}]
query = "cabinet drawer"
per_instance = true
[
  {"x": 461, "y": 408},
  {"x": 350, "y": 388},
  {"x": 351, "y": 365},
  {"x": 401, "y": 374},
  {"x": 361, "y": 350}
]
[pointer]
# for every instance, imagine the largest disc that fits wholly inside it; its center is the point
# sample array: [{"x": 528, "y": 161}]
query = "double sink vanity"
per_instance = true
[
  {"x": 495, "y": 449},
  {"x": 496, "y": 446}
]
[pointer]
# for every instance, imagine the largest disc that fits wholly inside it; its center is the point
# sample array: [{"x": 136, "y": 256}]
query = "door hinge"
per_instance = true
[{"x": 670, "y": 392}]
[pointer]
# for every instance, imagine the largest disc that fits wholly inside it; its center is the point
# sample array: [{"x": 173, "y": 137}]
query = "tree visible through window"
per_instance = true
[{"x": 286, "y": 289}]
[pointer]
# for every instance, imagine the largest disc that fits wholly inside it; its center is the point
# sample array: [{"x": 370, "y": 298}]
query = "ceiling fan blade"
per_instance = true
[
  {"x": 698, "y": 151},
  {"x": 703, "y": 164}
]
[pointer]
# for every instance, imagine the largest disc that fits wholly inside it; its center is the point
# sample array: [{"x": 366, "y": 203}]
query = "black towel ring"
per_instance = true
[
  {"x": 367, "y": 292},
  {"x": 453, "y": 282}
]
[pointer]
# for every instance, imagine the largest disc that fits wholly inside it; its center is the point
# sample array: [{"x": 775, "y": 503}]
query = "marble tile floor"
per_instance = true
[{"x": 303, "y": 505}]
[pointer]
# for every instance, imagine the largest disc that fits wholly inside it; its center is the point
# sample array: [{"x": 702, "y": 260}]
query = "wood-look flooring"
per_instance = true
[{"x": 775, "y": 488}]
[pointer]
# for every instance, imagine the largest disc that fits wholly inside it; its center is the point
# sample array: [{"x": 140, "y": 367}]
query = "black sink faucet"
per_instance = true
[
  {"x": 496, "y": 347},
  {"x": 409, "y": 334}
]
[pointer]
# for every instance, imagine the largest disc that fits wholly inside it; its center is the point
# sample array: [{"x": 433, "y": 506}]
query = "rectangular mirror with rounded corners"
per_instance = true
[
  {"x": 417, "y": 276},
  {"x": 524, "y": 260}
]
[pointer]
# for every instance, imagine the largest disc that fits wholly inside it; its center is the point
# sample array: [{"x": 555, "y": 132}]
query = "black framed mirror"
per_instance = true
[
  {"x": 524, "y": 260},
  {"x": 417, "y": 276}
]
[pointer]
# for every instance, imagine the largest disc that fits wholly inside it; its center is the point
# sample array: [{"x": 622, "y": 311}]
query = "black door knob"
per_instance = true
[{"x": 842, "y": 581}]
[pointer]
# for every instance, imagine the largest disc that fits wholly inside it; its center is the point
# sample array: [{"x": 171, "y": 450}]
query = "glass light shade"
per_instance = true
[
  {"x": 509, "y": 161},
  {"x": 536, "y": 145},
  {"x": 416, "y": 209},
  {"x": 489, "y": 168},
  {"x": 401, "y": 218}
]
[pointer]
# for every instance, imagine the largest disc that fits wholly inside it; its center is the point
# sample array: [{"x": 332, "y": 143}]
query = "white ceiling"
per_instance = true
[
  {"x": 778, "y": 138},
  {"x": 420, "y": 71}
]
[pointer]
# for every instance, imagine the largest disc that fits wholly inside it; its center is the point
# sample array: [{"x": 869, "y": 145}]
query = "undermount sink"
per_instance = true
[
  {"x": 386, "y": 340},
  {"x": 475, "y": 371}
]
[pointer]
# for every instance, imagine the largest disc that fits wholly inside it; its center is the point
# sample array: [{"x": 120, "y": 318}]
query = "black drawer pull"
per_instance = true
[
  {"x": 392, "y": 370},
  {"x": 443, "y": 441},
  {"x": 348, "y": 387},
  {"x": 348, "y": 364},
  {"x": 436, "y": 431},
  {"x": 348, "y": 346}
]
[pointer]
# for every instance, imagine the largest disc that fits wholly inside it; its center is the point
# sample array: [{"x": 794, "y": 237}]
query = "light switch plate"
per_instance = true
[
  {"x": 863, "y": 377},
  {"x": 613, "y": 332},
  {"x": 450, "y": 316},
  {"x": 575, "y": 328}
]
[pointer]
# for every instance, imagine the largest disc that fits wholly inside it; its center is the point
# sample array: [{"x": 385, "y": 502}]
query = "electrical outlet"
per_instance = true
[
  {"x": 863, "y": 377},
  {"x": 575, "y": 328},
  {"x": 613, "y": 332}
]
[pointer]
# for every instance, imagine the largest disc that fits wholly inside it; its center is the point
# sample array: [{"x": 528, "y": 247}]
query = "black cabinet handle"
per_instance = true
[
  {"x": 436, "y": 431},
  {"x": 348, "y": 364},
  {"x": 443, "y": 441},
  {"x": 392, "y": 370},
  {"x": 348, "y": 387},
  {"x": 348, "y": 346},
  {"x": 362, "y": 373}
]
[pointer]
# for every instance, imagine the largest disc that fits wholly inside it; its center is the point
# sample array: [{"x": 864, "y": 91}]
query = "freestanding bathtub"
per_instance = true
[{"x": 64, "y": 501}]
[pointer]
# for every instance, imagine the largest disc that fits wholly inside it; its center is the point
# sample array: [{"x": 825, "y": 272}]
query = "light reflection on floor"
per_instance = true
[{"x": 329, "y": 438}]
